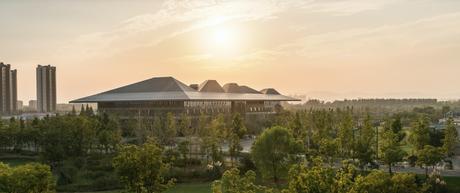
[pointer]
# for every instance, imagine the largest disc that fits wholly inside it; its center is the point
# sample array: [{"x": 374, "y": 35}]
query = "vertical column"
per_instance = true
[
  {"x": 2, "y": 88},
  {"x": 53, "y": 89},
  {"x": 14, "y": 89},
  {"x": 39, "y": 103}
]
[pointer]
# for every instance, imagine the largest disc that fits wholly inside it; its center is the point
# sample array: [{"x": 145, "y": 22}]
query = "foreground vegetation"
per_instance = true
[{"x": 314, "y": 150}]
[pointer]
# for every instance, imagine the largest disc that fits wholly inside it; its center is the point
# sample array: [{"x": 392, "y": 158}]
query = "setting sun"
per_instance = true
[{"x": 222, "y": 37}]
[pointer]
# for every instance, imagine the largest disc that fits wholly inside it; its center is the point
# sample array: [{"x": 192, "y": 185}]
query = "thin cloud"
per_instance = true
[{"x": 150, "y": 29}]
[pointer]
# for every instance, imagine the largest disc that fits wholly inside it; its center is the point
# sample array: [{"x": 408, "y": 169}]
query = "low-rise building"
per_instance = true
[{"x": 160, "y": 95}]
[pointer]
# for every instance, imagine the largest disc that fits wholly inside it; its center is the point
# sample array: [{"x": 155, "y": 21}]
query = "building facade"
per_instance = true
[
  {"x": 46, "y": 88},
  {"x": 161, "y": 95},
  {"x": 8, "y": 90}
]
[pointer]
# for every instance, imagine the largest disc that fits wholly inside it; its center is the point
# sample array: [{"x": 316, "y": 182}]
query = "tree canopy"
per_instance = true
[{"x": 273, "y": 151}]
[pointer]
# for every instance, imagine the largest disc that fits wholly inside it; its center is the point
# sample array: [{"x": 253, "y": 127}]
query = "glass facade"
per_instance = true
[{"x": 193, "y": 108}]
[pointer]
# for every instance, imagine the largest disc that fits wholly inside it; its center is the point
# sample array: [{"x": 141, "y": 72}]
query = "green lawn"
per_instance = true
[
  {"x": 453, "y": 183},
  {"x": 16, "y": 161},
  {"x": 180, "y": 188},
  {"x": 191, "y": 188}
]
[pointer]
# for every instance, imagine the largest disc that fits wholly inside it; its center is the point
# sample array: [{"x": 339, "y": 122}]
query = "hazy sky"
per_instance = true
[{"x": 325, "y": 48}]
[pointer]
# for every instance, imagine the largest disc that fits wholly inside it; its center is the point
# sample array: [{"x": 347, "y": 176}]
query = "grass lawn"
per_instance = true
[
  {"x": 16, "y": 161},
  {"x": 453, "y": 183},
  {"x": 180, "y": 188},
  {"x": 191, "y": 188}
]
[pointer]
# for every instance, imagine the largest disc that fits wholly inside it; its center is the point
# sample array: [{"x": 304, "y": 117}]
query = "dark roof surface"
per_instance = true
[
  {"x": 232, "y": 88},
  {"x": 210, "y": 86},
  {"x": 247, "y": 89},
  {"x": 168, "y": 88},
  {"x": 270, "y": 91},
  {"x": 158, "y": 84}
]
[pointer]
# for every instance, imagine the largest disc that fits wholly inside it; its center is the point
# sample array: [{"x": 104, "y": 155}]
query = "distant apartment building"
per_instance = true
[
  {"x": 33, "y": 105},
  {"x": 20, "y": 105},
  {"x": 46, "y": 88},
  {"x": 8, "y": 90}
]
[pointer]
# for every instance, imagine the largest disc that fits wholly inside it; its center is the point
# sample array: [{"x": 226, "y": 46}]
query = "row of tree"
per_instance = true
[
  {"x": 61, "y": 137},
  {"x": 319, "y": 178},
  {"x": 29, "y": 178}
]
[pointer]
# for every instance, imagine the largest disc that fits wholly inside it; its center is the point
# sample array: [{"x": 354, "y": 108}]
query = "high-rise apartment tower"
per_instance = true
[
  {"x": 46, "y": 88},
  {"x": 8, "y": 90}
]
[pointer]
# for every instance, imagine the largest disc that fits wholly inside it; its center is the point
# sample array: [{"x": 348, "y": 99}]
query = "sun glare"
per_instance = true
[{"x": 222, "y": 37}]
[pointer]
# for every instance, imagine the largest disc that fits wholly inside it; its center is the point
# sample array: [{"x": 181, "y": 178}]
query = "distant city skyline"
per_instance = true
[{"x": 327, "y": 49}]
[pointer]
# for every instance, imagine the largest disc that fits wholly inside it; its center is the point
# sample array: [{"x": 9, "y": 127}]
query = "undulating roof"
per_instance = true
[
  {"x": 168, "y": 88},
  {"x": 232, "y": 88},
  {"x": 270, "y": 91},
  {"x": 157, "y": 84},
  {"x": 210, "y": 86},
  {"x": 194, "y": 86},
  {"x": 247, "y": 89}
]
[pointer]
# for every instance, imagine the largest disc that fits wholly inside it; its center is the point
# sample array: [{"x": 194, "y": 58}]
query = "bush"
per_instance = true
[
  {"x": 190, "y": 175},
  {"x": 103, "y": 183},
  {"x": 246, "y": 163},
  {"x": 26, "y": 178}
]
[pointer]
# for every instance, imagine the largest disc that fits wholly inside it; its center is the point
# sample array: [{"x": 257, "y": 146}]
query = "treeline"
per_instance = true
[
  {"x": 383, "y": 105},
  {"x": 74, "y": 147},
  {"x": 60, "y": 137},
  {"x": 345, "y": 134},
  {"x": 89, "y": 152}
]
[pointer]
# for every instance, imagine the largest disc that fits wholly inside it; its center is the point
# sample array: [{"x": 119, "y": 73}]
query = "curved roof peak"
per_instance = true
[
  {"x": 232, "y": 88},
  {"x": 247, "y": 89},
  {"x": 270, "y": 91},
  {"x": 210, "y": 86},
  {"x": 156, "y": 84}
]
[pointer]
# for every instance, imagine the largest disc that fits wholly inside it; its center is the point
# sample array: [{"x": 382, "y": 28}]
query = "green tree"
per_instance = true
[
  {"x": 170, "y": 129},
  {"x": 429, "y": 156},
  {"x": 82, "y": 110},
  {"x": 185, "y": 127},
  {"x": 316, "y": 179},
  {"x": 211, "y": 137},
  {"x": 380, "y": 182},
  {"x": 184, "y": 150},
  {"x": 202, "y": 125},
  {"x": 29, "y": 178},
  {"x": 396, "y": 127},
  {"x": 108, "y": 133},
  {"x": 297, "y": 126},
  {"x": 345, "y": 134},
  {"x": 141, "y": 168},
  {"x": 420, "y": 135},
  {"x": 391, "y": 151},
  {"x": 450, "y": 138},
  {"x": 404, "y": 183},
  {"x": 364, "y": 145},
  {"x": 328, "y": 149},
  {"x": 233, "y": 182},
  {"x": 73, "y": 112},
  {"x": 237, "y": 131},
  {"x": 272, "y": 152},
  {"x": 64, "y": 137}
]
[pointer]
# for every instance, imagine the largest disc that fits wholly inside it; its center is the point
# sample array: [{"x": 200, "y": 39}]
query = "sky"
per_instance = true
[{"x": 325, "y": 49}]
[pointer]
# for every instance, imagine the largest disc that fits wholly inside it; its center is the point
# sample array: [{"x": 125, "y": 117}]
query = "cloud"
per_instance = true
[
  {"x": 346, "y": 7},
  {"x": 174, "y": 18},
  {"x": 391, "y": 40}
]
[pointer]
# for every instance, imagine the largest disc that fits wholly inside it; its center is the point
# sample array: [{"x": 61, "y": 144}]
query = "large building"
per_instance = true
[
  {"x": 8, "y": 90},
  {"x": 46, "y": 88},
  {"x": 161, "y": 95}
]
